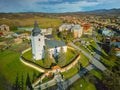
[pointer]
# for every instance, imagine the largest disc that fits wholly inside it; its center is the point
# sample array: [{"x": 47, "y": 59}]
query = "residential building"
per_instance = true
[
  {"x": 108, "y": 32},
  {"x": 77, "y": 31}
]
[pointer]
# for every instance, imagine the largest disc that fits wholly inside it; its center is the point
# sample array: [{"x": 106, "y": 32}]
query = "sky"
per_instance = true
[{"x": 56, "y": 6}]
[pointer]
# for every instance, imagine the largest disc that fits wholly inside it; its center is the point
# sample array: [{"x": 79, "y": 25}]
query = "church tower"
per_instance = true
[{"x": 38, "y": 43}]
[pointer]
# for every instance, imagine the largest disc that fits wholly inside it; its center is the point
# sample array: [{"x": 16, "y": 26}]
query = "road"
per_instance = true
[
  {"x": 70, "y": 81},
  {"x": 98, "y": 51},
  {"x": 93, "y": 61}
]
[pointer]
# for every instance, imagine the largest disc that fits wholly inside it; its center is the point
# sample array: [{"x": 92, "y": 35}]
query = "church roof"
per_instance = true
[
  {"x": 53, "y": 43},
  {"x": 36, "y": 30}
]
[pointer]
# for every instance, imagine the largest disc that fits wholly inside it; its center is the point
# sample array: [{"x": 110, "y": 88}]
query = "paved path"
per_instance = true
[
  {"x": 98, "y": 53},
  {"x": 93, "y": 61},
  {"x": 81, "y": 73}
]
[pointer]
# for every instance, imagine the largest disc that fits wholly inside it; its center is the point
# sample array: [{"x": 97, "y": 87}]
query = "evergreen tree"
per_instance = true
[
  {"x": 47, "y": 58},
  {"x": 61, "y": 57},
  {"x": 22, "y": 82},
  {"x": 112, "y": 53}
]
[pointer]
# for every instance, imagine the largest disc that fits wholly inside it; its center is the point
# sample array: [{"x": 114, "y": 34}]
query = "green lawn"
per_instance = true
[
  {"x": 106, "y": 60},
  {"x": 84, "y": 60},
  {"x": 82, "y": 84},
  {"x": 11, "y": 66},
  {"x": 97, "y": 74},
  {"x": 70, "y": 73},
  {"x": 28, "y": 56},
  {"x": 69, "y": 57}
]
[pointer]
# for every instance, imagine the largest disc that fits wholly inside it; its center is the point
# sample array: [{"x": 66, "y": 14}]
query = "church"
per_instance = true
[{"x": 39, "y": 42}]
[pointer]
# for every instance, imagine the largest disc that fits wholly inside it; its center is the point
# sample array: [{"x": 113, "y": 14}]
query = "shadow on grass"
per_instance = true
[
  {"x": 16, "y": 85},
  {"x": 24, "y": 82},
  {"x": 99, "y": 52},
  {"x": 28, "y": 83}
]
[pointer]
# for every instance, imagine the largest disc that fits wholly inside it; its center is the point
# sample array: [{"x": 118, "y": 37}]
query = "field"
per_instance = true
[
  {"x": 11, "y": 69},
  {"x": 82, "y": 84},
  {"x": 43, "y": 22}
]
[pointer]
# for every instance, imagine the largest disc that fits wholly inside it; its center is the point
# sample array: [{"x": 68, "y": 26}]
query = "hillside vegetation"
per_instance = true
[{"x": 27, "y": 19}]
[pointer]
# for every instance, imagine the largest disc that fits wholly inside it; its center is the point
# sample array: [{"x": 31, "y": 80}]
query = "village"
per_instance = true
[{"x": 78, "y": 50}]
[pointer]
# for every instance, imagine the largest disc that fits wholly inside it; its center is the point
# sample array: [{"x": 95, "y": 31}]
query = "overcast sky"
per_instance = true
[{"x": 56, "y": 6}]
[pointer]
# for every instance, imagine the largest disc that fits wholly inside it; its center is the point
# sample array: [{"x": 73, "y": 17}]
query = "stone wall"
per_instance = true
[
  {"x": 75, "y": 61},
  {"x": 31, "y": 64}
]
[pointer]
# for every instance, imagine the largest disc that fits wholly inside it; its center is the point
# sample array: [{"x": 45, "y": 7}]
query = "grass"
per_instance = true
[
  {"x": 69, "y": 57},
  {"x": 43, "y": 22},
  {"x": 97, "y": 74},
  {"x": 68, "y": 74},
  {"x": 92, "y": 44},
  {"x": 82, "y": 84},
  {"x": 11, "y": 66},
  {"x": 84, "y": 60},
  {"x": 28, "y": 56},
  {"x": 106, "y": 59}
]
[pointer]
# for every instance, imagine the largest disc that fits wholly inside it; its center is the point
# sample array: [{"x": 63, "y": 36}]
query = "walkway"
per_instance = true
[{"x": 93, "y": 61}]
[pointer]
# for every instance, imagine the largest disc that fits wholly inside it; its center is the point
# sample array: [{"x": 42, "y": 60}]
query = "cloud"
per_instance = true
[
  {"x": 54, "y": 5},
  {"x": 69, "y": 6}
]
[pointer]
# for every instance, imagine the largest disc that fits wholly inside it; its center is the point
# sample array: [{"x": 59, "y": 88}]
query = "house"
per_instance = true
[
  {"x": 43, "y": 31},
  {"x": 21, "y": 35},
  {"x": 87, "y": 29},
  {"x": 117, "y": 46},
  {"x": 4, "y": 29},
  {"x": 46, "y": 31},
  {"x": 77, "y": 31},
  {"x": 65, "y": 27},
  {"x": 108, "y": 32},
  {"x": 39, "y": 42}
]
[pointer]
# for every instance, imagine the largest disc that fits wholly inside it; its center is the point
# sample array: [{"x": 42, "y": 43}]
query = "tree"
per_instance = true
[
  {"x": 112, "y": 52},
  {"x": 61, "y": 57},
  {"x": 28, "y": 83},
  {"x": 22, "y": 82},
  {"x": 47, "y": 58}
]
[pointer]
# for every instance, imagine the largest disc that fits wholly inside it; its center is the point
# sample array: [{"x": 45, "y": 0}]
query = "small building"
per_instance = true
[
  {"x": 4, "y": 29},
  {"x": 87, "y": 29},
  {"x": 77, "y": 31},
  {"x": 55, "y": 46},
  {"x": 21, "y": 35},
  {"x": 108, "y": 32},
  {"x": 117, "y": 47},
  {"x": 65, "y": 27}
]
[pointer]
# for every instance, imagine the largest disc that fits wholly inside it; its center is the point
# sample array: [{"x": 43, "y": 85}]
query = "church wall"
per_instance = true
[
  {"x": 52, "y": 50},
  {"x": 38, "y": 47}
]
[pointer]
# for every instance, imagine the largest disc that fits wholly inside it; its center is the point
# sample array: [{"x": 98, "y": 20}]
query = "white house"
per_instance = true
[
  {"x": 39, "y": 42},
  {"x": 77, "y": 30}
]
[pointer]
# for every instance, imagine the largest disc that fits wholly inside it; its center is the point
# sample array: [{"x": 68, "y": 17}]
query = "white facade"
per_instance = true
[
  {"x": 52, "y": 50},
  {"x": 38, "y": 47}
]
